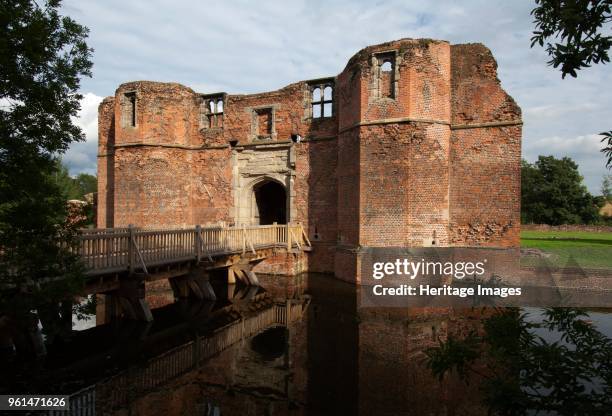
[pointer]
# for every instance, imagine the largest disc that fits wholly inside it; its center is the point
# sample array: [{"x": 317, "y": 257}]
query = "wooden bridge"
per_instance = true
[
  {"x": 131, "y": 249},
  {"x": 120, "y": 261}
]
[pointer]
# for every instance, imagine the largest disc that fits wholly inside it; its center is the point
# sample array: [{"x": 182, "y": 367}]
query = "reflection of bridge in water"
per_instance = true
[{"x": 224, "y": 327}]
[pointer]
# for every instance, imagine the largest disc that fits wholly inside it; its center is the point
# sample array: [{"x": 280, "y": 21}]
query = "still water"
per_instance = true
[{"x": 295, "y": 346}]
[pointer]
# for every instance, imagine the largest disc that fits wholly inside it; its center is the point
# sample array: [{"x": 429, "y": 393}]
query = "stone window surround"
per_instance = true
[
  {"x": 308, "y": 90},
  {"x": 254, "y": 121},
  {"x": 205, "y": 112},
  {"x": 129, "y": 109},
  {"x": 377, "y": 60},
  {"x": 322, "y": 101}
]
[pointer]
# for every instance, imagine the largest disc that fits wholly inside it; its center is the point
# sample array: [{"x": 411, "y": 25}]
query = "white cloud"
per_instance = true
[
  {"x": 87, "y": 118},
  {"x": 551, "y": 111},
  {"x": 580, "y": 145},
  {"x": 82, "y": 156}
]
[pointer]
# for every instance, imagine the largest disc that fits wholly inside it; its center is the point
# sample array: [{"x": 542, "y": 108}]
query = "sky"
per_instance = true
[{"x": 247, "y": 47}]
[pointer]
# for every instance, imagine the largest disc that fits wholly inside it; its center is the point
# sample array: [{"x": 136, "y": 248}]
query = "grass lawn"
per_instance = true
[{"x": 570, "y": 248}]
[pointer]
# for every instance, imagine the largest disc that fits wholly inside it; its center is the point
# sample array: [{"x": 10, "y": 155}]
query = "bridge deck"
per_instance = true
[{"x": 115, "y": 250}]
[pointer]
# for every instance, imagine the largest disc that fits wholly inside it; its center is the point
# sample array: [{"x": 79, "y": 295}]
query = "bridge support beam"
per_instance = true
[
  {"x": 128, "y": 301},
  {"x": 196, "y": 283},
  {"x": 242, "y": 271},
  {"x": 132, "y": 299},
  {"x": 231, "y": 276},
  {"x": 108, "y": 307}
]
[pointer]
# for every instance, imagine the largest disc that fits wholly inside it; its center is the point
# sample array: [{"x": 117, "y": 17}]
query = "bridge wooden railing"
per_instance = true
[{"x": 129, "y": 249}]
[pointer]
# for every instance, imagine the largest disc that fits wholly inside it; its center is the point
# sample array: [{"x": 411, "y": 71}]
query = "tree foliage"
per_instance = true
[
  {"x": 579, "y": 27},
  {"x": 74, "y": 188},
  {"x": 560, "y": 366},
  {"x": 43, "y": 55},
  {"x": 552, "y": 193},
  {"x": 85, "y": 184},
  {"x": 607, "y": 150}
]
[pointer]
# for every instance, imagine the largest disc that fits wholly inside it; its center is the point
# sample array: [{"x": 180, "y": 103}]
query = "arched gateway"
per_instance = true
[{"x": 269, "y": 204}]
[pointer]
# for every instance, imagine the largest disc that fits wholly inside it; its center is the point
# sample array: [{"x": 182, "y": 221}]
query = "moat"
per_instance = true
[{"x": 295, "y": 346}]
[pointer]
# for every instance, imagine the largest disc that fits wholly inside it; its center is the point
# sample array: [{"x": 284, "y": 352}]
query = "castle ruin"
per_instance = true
[{"x": 413, "y": 144}]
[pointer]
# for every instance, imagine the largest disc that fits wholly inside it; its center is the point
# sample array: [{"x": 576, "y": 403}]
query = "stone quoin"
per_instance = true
[{"x": 413, "y": 144}]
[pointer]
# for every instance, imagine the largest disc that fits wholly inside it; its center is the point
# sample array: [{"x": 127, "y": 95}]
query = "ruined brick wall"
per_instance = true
[
  {"x": 404, "y": 143},
  {"x": 315, "y": 200},
  {"x": 152, "y": 187},
  {"x": 404, "y": 198},
  {"x": 163, "y": 114},
  {"x": 393, "y": 146},
  {"x": 211, "y": 178},
  {"x": 485, "y": 153},
  {"x": 348, "y": 169},
  {"x": 283, "y": 263},
  {"x": 106, "y": 149},
  {"x": 154, "y": 125},
  {"x": 410, "y": 135}
]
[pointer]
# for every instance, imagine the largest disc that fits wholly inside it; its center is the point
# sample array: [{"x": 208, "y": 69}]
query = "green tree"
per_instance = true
[
  {"x": 552, "y": 193},
  {"x": 43, "y": 55},
  {"x": 86, "y": 184},
  {"x": 73, "y": 188},
  {"x": 65, "y": 182},
  {"x": 579, "y": 26},
  {"x": 559, "y": 366}
]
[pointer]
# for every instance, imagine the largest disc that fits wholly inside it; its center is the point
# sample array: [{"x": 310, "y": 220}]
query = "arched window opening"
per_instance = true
[
  {"x": 386, "y": 75},
  {"x": 327, "y": 93},
  {"x": 322, "y": 100},
  {"x": 211, "y": 111}
]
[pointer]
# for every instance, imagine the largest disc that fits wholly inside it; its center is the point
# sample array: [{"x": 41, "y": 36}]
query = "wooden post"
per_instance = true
[
  {"x": 243, "y": 240},
  {"x": 306, "y": 236},
  {"x": 288, "y": 237},
  {"x": 131, "y": 250},
  {"x": 198, "y": 242},
  {"x": 196, "y": 351}
]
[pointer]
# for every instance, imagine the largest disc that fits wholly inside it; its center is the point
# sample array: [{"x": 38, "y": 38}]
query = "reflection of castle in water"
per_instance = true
[
  {"x": 303, "y": 346},
  {"x": 338, "y": 359}
]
